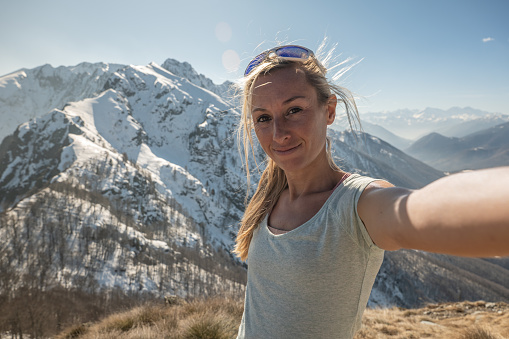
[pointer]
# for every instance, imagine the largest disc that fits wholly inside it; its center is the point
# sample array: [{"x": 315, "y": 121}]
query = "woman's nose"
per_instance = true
[{"x": 281, "y": 131}]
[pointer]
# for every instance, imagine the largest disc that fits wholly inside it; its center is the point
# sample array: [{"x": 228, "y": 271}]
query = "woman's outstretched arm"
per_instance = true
[{"x": 464, "y": 214}]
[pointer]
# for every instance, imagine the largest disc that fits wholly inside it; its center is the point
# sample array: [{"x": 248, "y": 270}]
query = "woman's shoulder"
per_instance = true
[
  {"x": 349, "y": 190},
  {"x": 356, "y": 186},
  {"x": 358, "y": 181}
]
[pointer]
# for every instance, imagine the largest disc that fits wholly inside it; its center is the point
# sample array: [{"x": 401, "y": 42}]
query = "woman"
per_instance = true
[{"x": 313, "y": 235}]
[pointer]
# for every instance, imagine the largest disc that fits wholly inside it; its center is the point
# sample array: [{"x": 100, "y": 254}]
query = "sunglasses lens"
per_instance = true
[
  {"x": 255, "y": 62},
  {"x": 290, "y": 52},
  {"x": 293, "y": 52}
]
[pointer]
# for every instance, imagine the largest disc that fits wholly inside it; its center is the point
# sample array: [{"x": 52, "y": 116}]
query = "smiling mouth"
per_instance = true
[{"x": 283, "y": 151}]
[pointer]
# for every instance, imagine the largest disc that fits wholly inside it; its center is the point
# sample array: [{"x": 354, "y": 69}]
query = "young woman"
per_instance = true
[{"x": 313, "y": 235}]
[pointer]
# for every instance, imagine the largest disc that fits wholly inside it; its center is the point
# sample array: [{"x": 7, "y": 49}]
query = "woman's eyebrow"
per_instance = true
[
  {"x": 258, "y": 109},
  {"x": 294, "y": 98},
  {"x": 287, "y": 101}
]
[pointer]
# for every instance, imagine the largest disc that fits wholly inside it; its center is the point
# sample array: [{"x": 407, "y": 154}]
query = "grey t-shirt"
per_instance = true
[{"x": 314, "y": 281}]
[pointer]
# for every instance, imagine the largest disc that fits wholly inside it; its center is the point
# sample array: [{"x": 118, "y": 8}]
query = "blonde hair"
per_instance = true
[{"x": 273, "y": 179}]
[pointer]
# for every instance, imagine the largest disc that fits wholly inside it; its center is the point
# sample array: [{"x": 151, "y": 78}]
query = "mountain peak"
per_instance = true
[
  {"x": 180, "y": 67},
  {"x": 433, "y": 140},
  {"x": 185, "y": 70}
]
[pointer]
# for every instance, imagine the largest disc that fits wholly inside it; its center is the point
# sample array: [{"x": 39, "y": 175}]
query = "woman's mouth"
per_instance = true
[{"x": 285, "y": 150}]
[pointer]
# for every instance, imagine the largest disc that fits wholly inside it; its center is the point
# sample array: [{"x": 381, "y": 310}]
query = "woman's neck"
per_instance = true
[{"x": 318, "y": 180}]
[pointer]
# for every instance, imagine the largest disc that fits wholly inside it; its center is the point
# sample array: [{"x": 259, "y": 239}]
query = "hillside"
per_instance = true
[
  {"x": 410, "y": 278},
  {"x": 363, "y": 153},
  {"x": 341, "y": 124},
  {"x": 120, "y": 184},
  {"x": 220, "y": 318}
]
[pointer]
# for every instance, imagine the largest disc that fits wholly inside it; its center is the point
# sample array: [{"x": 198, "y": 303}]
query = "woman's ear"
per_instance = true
[{"x": 331, "y": 109}]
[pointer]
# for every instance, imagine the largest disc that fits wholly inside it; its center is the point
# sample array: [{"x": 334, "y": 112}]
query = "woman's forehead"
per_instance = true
[
  {"x": 286, "y": 74},
  {"x": 282, "y": 83}
]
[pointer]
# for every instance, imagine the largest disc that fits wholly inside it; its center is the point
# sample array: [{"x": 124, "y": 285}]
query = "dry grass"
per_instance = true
[
  {"x": 465, "y": 320},
  {"x": 217, "y": 318},
  {"x": 220, "y": 317}
]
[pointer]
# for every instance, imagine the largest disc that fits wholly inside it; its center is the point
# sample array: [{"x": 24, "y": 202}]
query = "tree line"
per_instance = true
[{"x": 78, "y": 243}]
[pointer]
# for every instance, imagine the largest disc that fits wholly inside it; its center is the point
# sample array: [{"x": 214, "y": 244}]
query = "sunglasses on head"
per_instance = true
[{"x": 288, "y": 52}]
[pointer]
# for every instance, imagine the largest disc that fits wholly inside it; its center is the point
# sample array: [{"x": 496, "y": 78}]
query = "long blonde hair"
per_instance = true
[{"x": 273, "y": 179}]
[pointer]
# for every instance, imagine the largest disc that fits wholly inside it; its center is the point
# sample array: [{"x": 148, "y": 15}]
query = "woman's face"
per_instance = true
[{"x": 289, "y": 122}]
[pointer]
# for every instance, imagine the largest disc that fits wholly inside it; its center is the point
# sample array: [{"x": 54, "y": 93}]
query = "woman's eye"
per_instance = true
[
  {"x": 263, "y": 118},
  {"x": 294, "y": 110}
]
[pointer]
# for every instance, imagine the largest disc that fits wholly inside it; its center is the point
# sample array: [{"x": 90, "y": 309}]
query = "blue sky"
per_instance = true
[{"x": 415, "y": 54}]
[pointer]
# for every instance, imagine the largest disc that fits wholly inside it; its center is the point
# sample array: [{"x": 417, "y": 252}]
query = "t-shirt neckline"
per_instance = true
[{"x": 266, "y": 219}]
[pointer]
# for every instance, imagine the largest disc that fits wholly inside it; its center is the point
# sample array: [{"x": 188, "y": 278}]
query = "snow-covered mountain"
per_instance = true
[
  {"x": 154, "y": 147},
  {"x": 187, "y": 71},
  {"x": 30, "y": 93},
  {"x": 128, "y": 177}
]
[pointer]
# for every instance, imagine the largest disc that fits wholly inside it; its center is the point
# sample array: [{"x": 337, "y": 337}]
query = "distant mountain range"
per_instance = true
[
  {"x": 483, "y": 149},
  {"x": 454, "y": 122},
  {"x": 452, "y": 140},
  {"x": 128, "y": 177}
]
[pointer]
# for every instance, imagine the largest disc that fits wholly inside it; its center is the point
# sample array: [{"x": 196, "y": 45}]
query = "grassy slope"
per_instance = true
[{"x": 220, "y": 317}]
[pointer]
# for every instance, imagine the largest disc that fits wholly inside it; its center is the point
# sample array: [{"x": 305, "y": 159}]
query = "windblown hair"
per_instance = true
[{"x": 273, "y": 179}]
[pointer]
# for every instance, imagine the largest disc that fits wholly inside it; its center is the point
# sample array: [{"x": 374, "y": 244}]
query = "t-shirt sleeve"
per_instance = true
[{"x": 355, "y": 227}]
